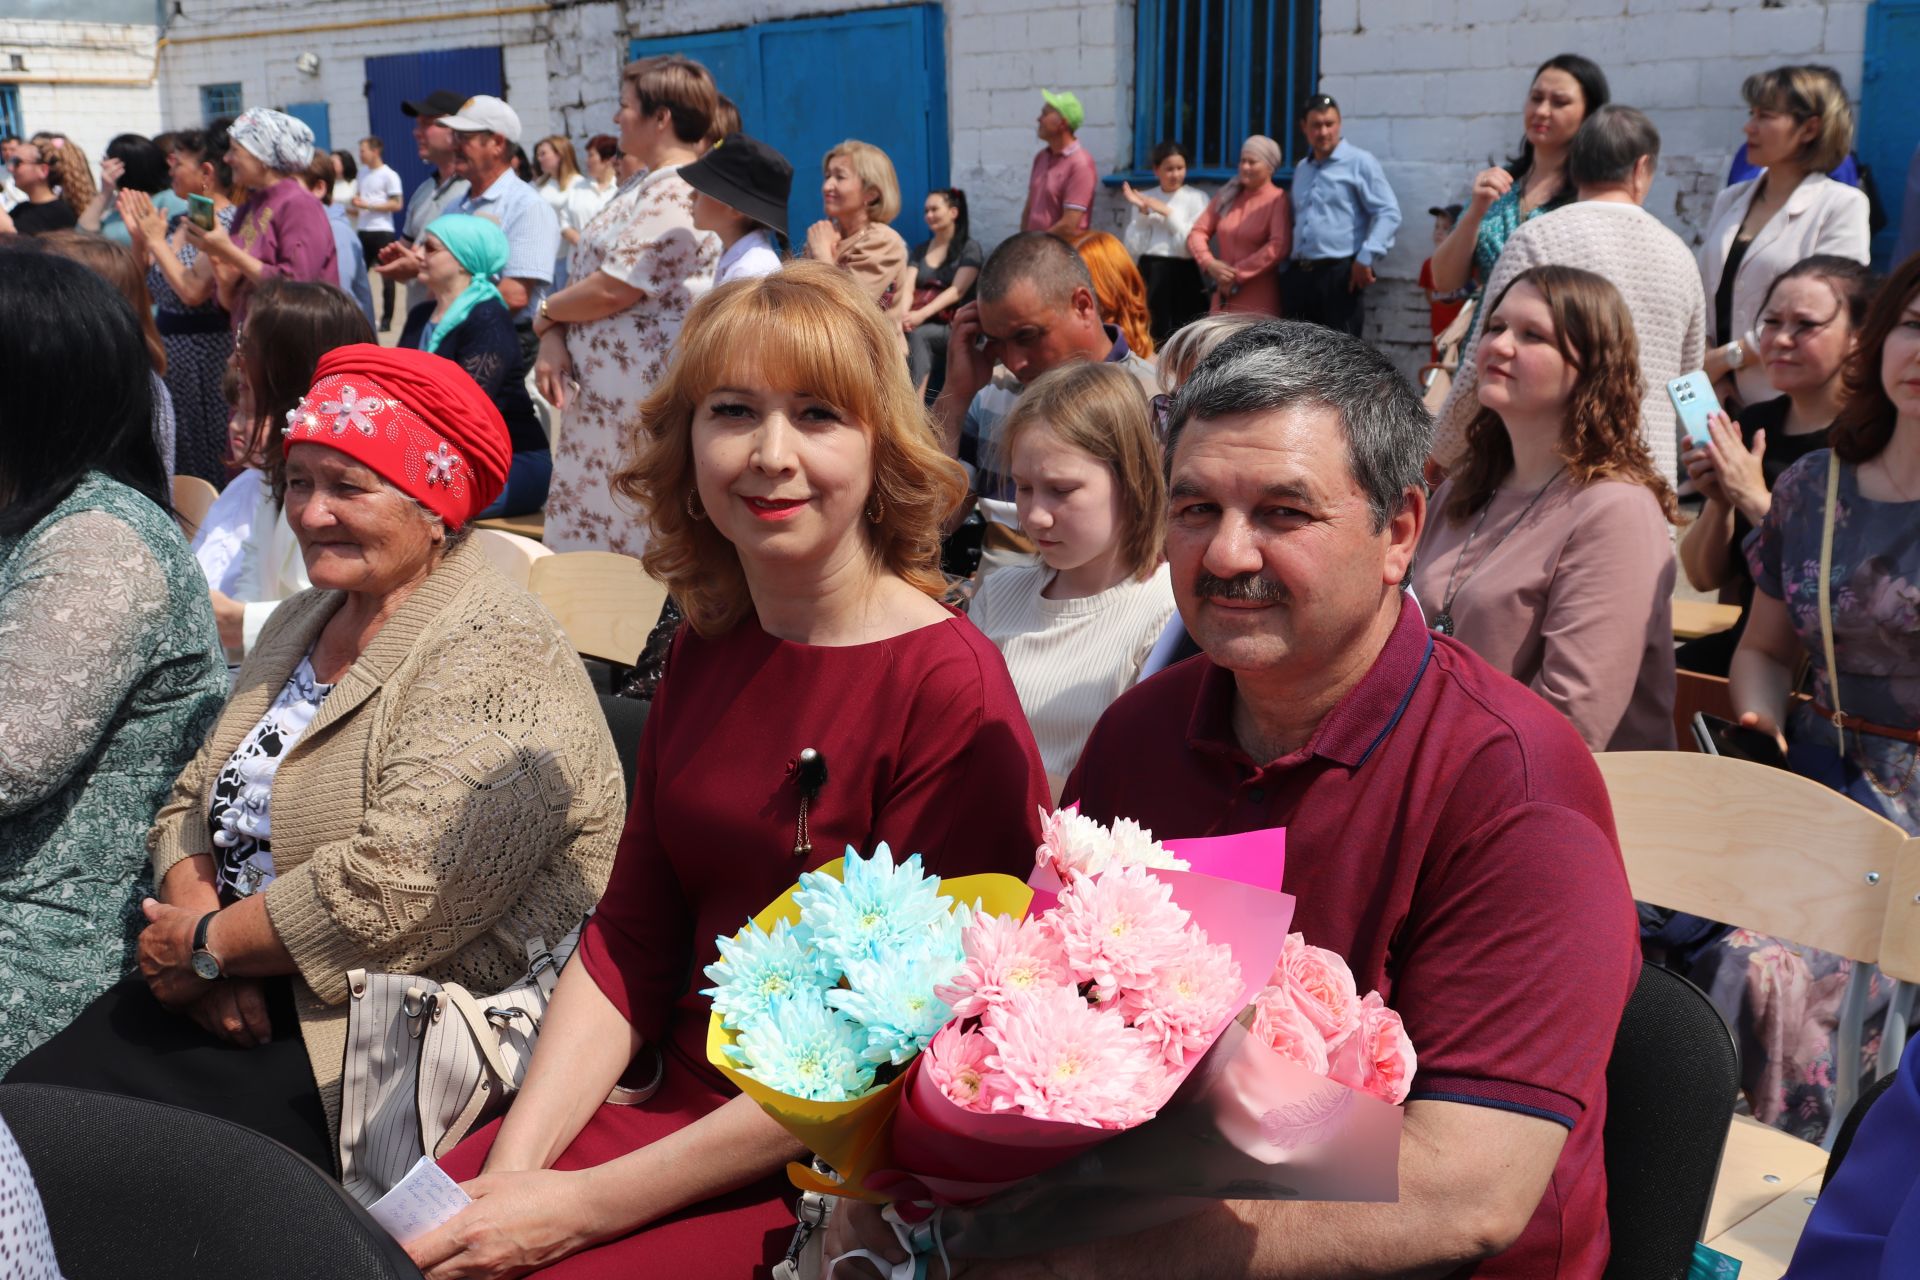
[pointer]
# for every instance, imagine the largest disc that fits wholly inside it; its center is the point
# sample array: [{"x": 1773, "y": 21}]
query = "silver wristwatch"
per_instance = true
[
  {"x": 205, "y": 964},
  {"x": 1736, "y": 354}
]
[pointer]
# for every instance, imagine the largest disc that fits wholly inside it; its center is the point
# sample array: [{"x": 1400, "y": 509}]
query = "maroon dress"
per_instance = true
[{"x": 926, "y": 748}]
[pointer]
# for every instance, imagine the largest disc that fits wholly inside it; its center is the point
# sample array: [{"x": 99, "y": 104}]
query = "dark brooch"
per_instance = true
[{"x": 809, "y": 773}]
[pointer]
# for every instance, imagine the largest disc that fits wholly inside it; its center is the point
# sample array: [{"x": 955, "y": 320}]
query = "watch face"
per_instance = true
[{"x": 205, "y": 966}]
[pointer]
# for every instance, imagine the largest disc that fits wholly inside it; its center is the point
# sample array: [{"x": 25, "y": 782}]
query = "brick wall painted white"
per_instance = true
[{"x": 70, "y": 82}]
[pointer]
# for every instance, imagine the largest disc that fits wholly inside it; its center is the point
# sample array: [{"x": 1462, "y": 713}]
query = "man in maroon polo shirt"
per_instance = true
[{"x": 1447, "y": 831}]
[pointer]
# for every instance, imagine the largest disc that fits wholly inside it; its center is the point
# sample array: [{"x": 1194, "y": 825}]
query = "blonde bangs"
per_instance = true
[{"x": 807, "y": 328}]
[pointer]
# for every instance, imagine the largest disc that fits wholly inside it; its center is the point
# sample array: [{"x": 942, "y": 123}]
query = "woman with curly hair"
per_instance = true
[
  {"x": 794, "y": 491},
  {"x": 1120, "y": 287},
  {"x": 1549, "y": 553}
]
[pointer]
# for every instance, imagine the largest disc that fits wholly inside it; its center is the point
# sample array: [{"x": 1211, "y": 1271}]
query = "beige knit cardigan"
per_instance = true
[{"x": 457, "y": 792}]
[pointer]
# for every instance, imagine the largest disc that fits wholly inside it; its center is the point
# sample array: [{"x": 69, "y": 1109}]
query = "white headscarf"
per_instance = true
[
  {"x": 1266, "y": 150},
  {"x": 281, "y": 142}
]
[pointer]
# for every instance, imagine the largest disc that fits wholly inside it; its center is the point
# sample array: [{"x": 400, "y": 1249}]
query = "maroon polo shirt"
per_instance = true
[{"x": 1449, "y": 834}]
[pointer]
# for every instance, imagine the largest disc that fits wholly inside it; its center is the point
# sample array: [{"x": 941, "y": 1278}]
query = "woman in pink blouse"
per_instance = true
[
  {"x": 1250, "y": 224},
  {"x": 1547, "y": 551}
]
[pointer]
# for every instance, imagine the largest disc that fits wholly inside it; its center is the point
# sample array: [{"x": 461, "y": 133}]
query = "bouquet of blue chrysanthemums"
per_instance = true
[{"x": 825, "y": 997}]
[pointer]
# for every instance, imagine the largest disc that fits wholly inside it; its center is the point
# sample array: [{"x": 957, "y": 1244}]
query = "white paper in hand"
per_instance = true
[{"x": 419, "y": 1202}]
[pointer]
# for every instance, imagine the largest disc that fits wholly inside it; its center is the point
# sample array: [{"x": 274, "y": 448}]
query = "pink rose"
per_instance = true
[
  {"x": 1279, "y": 1024},
  {"x": 1378, "y": 1057},
  {"x": 1322, "y": 986}
]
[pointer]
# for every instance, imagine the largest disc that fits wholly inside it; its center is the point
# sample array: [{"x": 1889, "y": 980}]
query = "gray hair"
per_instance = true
[
  {"x": 1608, "y": 144},
  {"x": 1281, "y": 364}
]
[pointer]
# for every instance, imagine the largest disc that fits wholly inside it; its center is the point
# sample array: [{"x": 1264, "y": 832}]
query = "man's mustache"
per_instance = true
[{"x": 1248, "y": 587}]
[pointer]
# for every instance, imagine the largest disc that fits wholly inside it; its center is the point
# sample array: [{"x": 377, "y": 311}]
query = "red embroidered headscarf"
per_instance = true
[{"x": 417, "y": 419}]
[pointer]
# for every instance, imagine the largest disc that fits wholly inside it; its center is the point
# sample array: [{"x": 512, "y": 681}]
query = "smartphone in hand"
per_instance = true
[
  {"x": 1694, "y": 402},
  {"x": 200, "y": 212}
]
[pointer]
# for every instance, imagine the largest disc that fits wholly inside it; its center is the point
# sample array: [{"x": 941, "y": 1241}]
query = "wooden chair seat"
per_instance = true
[
  {"x": 192, "y": 497},
  {"x": 510, "y": 553},
  {"x": 1764, "y": 1242}
]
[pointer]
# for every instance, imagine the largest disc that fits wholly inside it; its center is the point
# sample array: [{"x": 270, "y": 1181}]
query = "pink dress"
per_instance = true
[{"x": 1253, "y": 236}]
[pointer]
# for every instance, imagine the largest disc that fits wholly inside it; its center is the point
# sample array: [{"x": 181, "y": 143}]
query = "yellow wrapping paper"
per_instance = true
[{"x": 850, "y": 1136}]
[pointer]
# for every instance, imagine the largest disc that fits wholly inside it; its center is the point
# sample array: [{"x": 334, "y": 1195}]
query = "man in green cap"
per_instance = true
[{"x": 1060, "y": 189}]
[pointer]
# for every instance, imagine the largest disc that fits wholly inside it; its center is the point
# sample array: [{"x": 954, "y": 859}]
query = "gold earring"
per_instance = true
[
  {"x": 874, "y": 508},
  {"x": 691, "y": 513}
]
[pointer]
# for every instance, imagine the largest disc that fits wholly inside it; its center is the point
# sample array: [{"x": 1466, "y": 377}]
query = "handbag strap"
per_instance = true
[
  {"x": 485, "y": 1038},
  {"x": 1826, "y": 599}
]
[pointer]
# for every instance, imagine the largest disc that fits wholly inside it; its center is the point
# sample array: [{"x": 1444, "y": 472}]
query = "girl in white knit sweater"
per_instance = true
[{"x": 1076, "y": 627}]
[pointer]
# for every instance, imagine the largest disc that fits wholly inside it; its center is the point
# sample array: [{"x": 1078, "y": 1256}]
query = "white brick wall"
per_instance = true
[
  {"x": 88, "y": 80},
  {"x": 264, "y": 63}
]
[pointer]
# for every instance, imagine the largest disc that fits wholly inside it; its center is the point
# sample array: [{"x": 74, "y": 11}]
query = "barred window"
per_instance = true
[
  {"x": 1208, "y": 73},
  {"x": 217, "y": 100}
]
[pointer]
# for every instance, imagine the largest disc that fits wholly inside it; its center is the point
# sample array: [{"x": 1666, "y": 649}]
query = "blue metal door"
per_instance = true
[
  {"x": 774, "y": 72},
  {"x": 408, "y": 77},
  {"x": 1890, "y": 109},
  {"x": 315, "y": 116}
]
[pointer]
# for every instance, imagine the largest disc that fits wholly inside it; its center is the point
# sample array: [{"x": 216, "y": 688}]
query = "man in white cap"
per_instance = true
[
  {"x": 484, "y": 131},
  {"x": 1061, "y": 185}
]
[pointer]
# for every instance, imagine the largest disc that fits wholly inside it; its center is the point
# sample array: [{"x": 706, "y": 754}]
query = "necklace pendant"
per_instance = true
[{"x": 1444, "y": 623}]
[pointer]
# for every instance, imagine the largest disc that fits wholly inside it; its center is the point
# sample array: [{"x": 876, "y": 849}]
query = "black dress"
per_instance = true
[{"x": 1713, "y": 655}]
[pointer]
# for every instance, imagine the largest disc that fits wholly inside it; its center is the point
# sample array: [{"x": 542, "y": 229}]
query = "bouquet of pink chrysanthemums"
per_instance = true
[{"x": 1149, "y": 1002}]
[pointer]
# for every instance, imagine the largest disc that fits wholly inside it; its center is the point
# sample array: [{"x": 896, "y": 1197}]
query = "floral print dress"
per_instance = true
[
  {"x": 1502, "y": 219},
  {"x": 110, "y": 676},
  {"x": 644, "y": 238},
  {"x": 1783, "y": 999}
]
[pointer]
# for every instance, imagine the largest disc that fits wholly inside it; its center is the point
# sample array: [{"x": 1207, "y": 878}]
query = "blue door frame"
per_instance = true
[
  {"x": 773, "y": 71},
  {"x": 408, "y": 77},
  {"x": 1890, "y": 109}
]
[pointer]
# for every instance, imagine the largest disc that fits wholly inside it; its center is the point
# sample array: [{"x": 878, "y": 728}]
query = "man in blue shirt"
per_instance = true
[
  {"x": 484, "y": 131},
  {"x": 1344, "y": 217}
]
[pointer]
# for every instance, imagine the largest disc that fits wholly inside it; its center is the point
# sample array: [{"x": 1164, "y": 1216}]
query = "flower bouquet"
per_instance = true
[
  {"x": 825, "y": 995},
  {"x": 1142, "y": 1036}
]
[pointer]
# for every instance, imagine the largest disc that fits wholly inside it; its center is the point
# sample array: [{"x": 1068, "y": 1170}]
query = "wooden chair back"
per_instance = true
[
  {"x": 606, "y": 603},
  {"x": 1758, "y": 848},
  {"x": 510, "y": 553},
  {"x": 192, "y": 497}
]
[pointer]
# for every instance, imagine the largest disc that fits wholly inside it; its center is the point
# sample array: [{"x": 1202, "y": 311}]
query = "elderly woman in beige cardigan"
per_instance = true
[{"x": 412, "y": 776}]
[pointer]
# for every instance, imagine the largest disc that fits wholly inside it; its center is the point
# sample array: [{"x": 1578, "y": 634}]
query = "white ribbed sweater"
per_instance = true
[
  {"x": 1070, "y": 659},
  {"x": 1654, "y": 272}
]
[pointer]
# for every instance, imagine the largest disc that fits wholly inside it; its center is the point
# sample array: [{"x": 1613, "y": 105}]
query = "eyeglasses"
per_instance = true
[
  {"x": 16, "y": 161},
  {"x": 1793, "y": 333}
]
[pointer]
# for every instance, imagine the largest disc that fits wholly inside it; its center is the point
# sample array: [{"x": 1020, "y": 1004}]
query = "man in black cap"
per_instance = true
[
  {"x": 740, "y": 194},
  {"x": 440, "y": 192}
]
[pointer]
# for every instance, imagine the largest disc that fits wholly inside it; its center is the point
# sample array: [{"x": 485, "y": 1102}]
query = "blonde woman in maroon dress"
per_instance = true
[{"x": 794, "y": 491}]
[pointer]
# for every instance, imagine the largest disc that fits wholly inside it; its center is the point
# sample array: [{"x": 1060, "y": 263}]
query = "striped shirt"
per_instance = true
[{"x": 1070, "y": 658}]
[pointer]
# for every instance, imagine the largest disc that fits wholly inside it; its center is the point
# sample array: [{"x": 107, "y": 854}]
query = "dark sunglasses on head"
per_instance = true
[{"x": 1321, "y": 102}]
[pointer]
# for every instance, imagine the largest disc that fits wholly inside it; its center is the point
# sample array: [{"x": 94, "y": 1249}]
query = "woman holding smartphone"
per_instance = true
[
  {"x": 1547, "y": 552},
  {"x": 1861, "y": 637},
  {"x": 1808, "y": 322}
]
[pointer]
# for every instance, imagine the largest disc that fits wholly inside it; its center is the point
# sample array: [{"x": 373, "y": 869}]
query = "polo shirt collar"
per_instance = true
[
  {"x": 1358, "y": 723},
  {"x": 1067, "y": 150}
]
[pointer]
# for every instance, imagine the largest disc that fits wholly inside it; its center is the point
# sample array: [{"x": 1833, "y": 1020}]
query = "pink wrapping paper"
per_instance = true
[
  {"x": 945, "y": 1153},
  {"x": 1256, "y": 858}
]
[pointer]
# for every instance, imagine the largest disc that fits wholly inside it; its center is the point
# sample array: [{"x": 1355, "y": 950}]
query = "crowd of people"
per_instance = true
[{"x": 1131, "y": 521}]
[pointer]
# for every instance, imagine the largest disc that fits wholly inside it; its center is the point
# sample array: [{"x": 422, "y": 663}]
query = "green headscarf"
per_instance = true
[{"x": 480, "y": 246}]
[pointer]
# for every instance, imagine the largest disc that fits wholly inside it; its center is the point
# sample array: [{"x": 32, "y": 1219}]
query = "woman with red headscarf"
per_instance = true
[{"x": 412, "y": 776}]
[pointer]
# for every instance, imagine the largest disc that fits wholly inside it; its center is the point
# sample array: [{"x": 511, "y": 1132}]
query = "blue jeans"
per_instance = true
[{"x": 526, "y": 490}]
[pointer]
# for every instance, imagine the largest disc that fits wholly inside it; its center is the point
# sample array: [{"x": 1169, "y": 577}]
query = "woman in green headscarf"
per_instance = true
[{"x": 468, "y": 323}]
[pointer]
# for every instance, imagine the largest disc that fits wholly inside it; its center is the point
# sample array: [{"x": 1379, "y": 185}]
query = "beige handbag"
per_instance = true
[{"x": 428, "y": 1063}]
